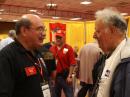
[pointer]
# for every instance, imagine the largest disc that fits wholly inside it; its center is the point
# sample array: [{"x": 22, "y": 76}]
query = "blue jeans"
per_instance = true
[
  {"x": 52, "y": 88},
  {"x": 61, "y": 84}
]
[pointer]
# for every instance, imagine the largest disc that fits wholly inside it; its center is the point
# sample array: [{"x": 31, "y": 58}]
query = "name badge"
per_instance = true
[{"x": 46, "y": 90}]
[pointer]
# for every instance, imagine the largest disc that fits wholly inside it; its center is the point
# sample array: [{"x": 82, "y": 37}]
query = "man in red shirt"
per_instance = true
[{"x": 65, "y": 62}]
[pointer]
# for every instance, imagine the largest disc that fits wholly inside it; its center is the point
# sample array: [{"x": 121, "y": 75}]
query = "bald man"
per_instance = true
[{"x": 22, "y": 70}]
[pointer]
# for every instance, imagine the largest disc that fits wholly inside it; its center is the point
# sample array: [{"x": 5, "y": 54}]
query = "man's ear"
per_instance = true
[
  {"x": 23, "y": 31},
  {"x": 113, "y": 29}
]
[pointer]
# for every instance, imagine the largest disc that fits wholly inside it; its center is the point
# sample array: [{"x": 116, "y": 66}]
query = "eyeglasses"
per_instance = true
[{"x": 39, "y": 29}]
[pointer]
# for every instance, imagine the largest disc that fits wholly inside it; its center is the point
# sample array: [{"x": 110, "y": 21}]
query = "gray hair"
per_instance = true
[
  {"x": 111, "y": 16},
  {"x": 12, "y": 33}
]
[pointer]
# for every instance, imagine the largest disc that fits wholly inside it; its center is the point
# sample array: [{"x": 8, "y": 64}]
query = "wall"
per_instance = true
[
  {"x": 74, "y": 31},
  {"x": 77, "y": 33},
  {"x": 5, "y": 27}
]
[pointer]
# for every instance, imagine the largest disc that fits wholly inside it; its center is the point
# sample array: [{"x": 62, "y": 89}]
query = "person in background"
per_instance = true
[
  {"x": 8, "y": 40},
  {"x": 88, "y": 56},
  {"x": 65, "y": 62},
  {"x": 76, "y": 49},
  {"x": 49, "y": 60},
  {"x": 22, "y": 69},
  {"x": 76, "y": 69},
  {"x": 110, "y": 32}
]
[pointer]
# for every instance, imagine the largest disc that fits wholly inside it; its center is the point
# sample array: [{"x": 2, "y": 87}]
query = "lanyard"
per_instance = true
[{"x": 38, "y": 63}]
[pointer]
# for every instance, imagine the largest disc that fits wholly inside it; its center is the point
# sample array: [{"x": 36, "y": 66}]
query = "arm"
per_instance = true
[
  {"x": 6, "y": 79},
  {"x": 72, "y": 62},
  {"x": 71, "y": 70},
  {"x": 120, "y": 86},
  {"x": 69, "y": 78},
  {"x": 127, "y": 82}
]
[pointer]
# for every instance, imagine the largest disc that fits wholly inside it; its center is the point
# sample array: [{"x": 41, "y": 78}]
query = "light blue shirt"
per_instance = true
[{"x": 5, "y": 42}]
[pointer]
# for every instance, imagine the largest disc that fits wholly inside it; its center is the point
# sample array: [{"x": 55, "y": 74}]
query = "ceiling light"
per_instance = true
[
  {"x": 36, "y": 12},
  {"x": 1, "y": 10},
  {"x": 124, "y": 14},
  {"x": 51, "y": 5},
  {"x": 32, "y": 10},
  {"x": 15, "y": 20},
  {"x": 86, "y": 2},
  {"x": 55, "y": 17},
  {"x": 74, "y": 19}
]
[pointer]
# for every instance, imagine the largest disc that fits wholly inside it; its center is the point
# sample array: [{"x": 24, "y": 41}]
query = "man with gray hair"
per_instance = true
[
  {"x": 8, "y": 40},
  {"x": 110, "y": 32}
]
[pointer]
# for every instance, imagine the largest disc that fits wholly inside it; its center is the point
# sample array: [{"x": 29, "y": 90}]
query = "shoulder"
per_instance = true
[
  {"x": 9, "y": 50},
  {"x": 120, "y": 78},
  {"x": 125, "y": 63},
  {"x": 52, "y": 48},
  {"x": 122, "y": 69},
  {"x": 68, "y": 46}
]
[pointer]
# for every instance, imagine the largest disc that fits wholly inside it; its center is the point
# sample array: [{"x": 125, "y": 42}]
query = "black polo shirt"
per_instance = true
[{"x": 19, "y": 75}]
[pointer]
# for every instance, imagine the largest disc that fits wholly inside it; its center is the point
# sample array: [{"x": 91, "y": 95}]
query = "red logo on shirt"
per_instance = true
[{"x": 30, "y": 70}]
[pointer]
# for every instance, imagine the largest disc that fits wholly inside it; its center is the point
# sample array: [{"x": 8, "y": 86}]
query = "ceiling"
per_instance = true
[{"x": 65, "y": 9}]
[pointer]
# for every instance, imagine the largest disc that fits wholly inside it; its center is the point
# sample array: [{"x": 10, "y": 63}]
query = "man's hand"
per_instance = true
[{"x": 69, "y": 79}]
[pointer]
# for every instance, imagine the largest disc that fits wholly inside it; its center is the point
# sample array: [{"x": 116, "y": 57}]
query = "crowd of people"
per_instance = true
[{"x": 29, "y": 68}]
